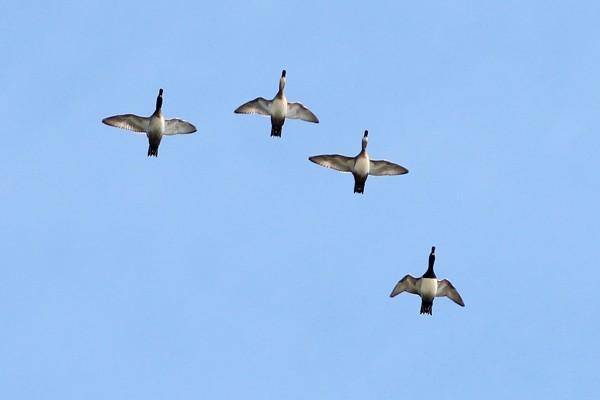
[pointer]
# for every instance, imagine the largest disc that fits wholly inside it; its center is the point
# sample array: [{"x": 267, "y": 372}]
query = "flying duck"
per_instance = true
[
  {"x": 361, "y": 166},
  {"x": 428, "y": 287},
  {"x": 278, "y": 109},
  {"x": 154, "y": 126}
]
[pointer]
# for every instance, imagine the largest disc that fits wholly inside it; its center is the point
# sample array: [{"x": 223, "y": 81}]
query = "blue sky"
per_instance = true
[{"x": 230, "y": 266}]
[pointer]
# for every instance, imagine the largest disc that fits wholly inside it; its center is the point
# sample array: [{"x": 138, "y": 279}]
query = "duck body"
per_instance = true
[
  {"x": 428, "y": 287},
  {"x": 278, "y": 109},
  {"x": 360, "y": 166},
  {"x": 427, "y": 290},
  {"x": 155, "y": 126}
]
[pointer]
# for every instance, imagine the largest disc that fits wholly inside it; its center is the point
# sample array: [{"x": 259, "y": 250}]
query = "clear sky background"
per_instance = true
[{"x": 232, "y": 267}]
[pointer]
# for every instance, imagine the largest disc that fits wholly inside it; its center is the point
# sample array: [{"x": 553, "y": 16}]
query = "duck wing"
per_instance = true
[
  {"x": 176, "y": 126},
  {"x": 298, "y": 111},
  {"x": 406, "y": 284},
  {"x": 130, "y": 122},
  {"x": 259, "y": 105},
  {"x": 334, "y": 161},
  {"x": 383, "y": 167},
  {"x": 447, "y": 289}
]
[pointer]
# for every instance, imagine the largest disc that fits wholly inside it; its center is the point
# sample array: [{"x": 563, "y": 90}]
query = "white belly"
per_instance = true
[
  {"x": 362, "y": 166},
  {"x": 156, "y": 127},
  {"x": 428, "y": 288},
  {"x": 279, "y": 110}
]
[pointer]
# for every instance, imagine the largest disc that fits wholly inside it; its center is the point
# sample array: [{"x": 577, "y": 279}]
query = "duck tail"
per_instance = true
[
  {"x": 426, "y": 308},
  {"x": 152, "y": 151},
  {"x": 359, "y": 184},
  {"x": 277, "y": 126}
]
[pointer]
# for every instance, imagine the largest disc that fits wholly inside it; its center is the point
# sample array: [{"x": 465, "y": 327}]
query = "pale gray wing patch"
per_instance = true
[
  {"x": 299, "y": 111},
  {"x": 176, "y": 126},
  {"x": 406, "y": 284},
  {"x": 334, "y": 161},
  {"x": 447, "y": 289},
  {"x": 259, "y": 105},
  {"x": 383, "y": 167},
  {"x": 130, "y": 122}
]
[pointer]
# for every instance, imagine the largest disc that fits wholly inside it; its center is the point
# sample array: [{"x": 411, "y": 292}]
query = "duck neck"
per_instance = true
[
  {"x": 429, "y": 273},
  {"x": 159, "y": 101},
  {"x": 365, "y": 141},
  {"x": 281, "y": 84}
]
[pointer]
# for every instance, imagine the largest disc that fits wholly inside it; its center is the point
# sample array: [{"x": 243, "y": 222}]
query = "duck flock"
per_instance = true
[{"x": 428, "y": 287}]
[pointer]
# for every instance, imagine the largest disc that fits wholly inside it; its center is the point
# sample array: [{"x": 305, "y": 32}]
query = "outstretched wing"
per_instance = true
[
  {"x": 334, "y": 161},
  {"x": 383, "y": 167},
  {"x": 130, "y": 122},
  {"x": 176, "y": 126},
  {"x": 447, "y": 289},
  {"x": 259, "y": 105},
  {"x": 406, "y": 284},
  {"x": 298, "y": 111}
]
